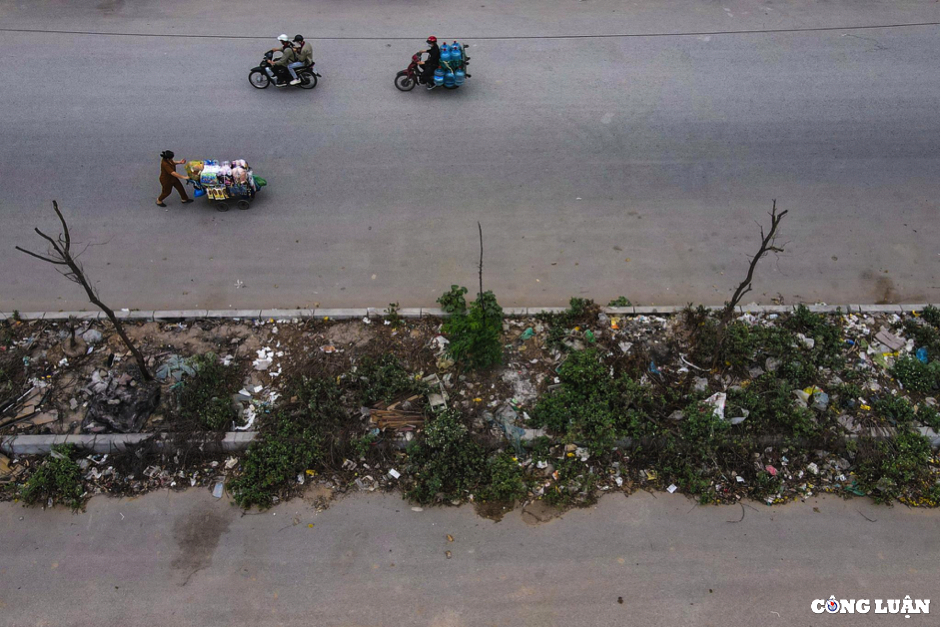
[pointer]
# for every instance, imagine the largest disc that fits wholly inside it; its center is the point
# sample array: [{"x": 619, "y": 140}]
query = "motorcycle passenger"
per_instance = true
[
  {"x": 430, "y": 64},
  {"x": 304, "y": 56}
]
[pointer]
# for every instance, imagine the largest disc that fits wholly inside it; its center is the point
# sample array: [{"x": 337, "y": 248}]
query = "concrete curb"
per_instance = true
[
  {"x": 434, "y": 312},
  {"x": 24, "y": 445}
]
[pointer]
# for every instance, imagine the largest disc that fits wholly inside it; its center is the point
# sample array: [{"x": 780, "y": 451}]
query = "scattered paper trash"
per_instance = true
[{"x": 672, "y": 488}]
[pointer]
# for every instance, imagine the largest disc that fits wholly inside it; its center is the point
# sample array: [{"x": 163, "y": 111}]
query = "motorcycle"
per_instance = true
[
  {"x": 407, "y": 79},
  {"x": 263, "y": 75}
]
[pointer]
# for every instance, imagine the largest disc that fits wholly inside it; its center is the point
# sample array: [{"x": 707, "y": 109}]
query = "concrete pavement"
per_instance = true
[
  {"x": 187, "y": 559},
  {"x": 600, "y": 166}
]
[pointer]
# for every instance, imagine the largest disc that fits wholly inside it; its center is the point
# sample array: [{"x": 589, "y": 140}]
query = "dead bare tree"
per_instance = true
[
  {"x": 767, "y": 246},
  {"x": 61, "y": 255}
]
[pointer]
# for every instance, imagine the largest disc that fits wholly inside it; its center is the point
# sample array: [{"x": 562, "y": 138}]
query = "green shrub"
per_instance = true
[
  {"x": 585, "y": 408},
  {"x": 444, "y": 464},
  {"x": 474, "y": 333},
  {"x": 896, "y": 467},
  {"x": 925, "y": 332},
  {"x": 381, "y": 379},
  {"x": 288, "y": 445},
  {"x": 915, "y": 376},
  {"x": 620, "y": 302},
  {"x": 58, "y": 479},
  {"x": 204, "y": 398},
  {"x": 928, "y": 415},
  {"x": 292, "y": 440},
  {"x": 502, "y": 480},
  {"x": 895, "y": 409}
]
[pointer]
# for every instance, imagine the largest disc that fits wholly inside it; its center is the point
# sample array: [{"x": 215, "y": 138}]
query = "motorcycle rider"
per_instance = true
[
  {"x": 304, "y": 56},
  {"x": 281, "y": 66},
  {"x": 430, "y": 64},
  {"x": 280, "y": 70}
]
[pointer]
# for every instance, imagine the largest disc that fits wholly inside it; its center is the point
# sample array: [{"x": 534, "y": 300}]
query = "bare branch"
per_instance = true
[
  {"x": 65, "y": 227},
  {"x": 37, "y": 256}
]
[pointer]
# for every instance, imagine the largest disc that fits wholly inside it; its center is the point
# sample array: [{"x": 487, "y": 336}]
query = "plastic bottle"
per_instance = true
[
  {"x": 445, "y": 53},
  {"x": 457, "y": 55},
  {"x": 459, "y": 77},
  {"x": 449, "y": 79},
  {"x": 439, "y": 77}
]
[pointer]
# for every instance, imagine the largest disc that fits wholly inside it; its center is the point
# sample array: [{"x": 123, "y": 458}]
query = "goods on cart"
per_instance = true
[{"x": 221, "y": 181}]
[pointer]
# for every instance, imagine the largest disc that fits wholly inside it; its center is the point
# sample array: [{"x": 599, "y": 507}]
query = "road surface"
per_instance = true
[
  {"x": 187, "y": 559},
  {"x": 608, "y": 148}
]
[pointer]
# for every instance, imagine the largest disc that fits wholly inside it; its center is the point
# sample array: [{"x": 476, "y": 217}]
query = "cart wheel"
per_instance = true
[
  {"x": 243, "y": 204},
  {"x": 222, "y": 207}
]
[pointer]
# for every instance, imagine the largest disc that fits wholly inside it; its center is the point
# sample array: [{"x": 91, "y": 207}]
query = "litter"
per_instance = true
[
  {"x": 890, "y": 340},
  {"x": 771, "y": 470},
  {"x": 395, "y": 474},
  {"x": 922, "y": 355},
  {"x": 527, "y": 334},
  {"x": 717, "y": 401},
  {"x": 217, "y": 490},
  {"x": 672, "y": 488},
  {"x": 92, "y": 336}
]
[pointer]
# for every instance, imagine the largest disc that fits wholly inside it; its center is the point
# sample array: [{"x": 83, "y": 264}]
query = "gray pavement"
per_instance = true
[
  {"x": 632, "y": 165},
  {"x": 187, "y": 559}
]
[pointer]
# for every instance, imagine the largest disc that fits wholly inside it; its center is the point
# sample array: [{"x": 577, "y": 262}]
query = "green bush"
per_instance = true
[
  {"x": 585, "y": 408},
  {"x": 620, "y": 302},
  {"x": 381, "y": 379},
  {"x": 475, "y": 332},
  {"x": 895, "y": 409},
  {"x": 915, "y": 376},
  {"x": 897, "y": 467},
  {"x": 502, "y": 479},
  {"x": 444, "y": 464},
  {"x": 204, "y": 398},
  {"x": 287, "y": 446},
  {"x": 928, "y": 415},
  {"x": 58, "y": 479},
  {"x": 291, "y": 441}
]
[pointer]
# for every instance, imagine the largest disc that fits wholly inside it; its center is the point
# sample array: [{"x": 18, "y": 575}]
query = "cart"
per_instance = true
[{"x": 224, "y": 185}]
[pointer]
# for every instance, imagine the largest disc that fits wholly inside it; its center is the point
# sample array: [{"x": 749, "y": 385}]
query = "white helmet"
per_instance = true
[{"x": 283, "y": 37}]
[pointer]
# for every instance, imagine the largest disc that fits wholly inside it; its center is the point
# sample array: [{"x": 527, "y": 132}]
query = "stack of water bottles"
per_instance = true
[{"x": 452, "y": 71}]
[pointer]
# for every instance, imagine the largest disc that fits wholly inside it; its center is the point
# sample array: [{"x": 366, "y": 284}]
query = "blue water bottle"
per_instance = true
[
  {"x": 439, "y": 77},
  {"x": 457, "y": 55},
  {"x": 459, "y": 77},
  {"x": 445, "y": 53},
  {"x": 449, "y": 79}
]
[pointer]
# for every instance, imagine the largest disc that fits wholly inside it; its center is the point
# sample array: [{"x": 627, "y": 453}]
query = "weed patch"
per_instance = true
[{"x": 58, "y": 480}]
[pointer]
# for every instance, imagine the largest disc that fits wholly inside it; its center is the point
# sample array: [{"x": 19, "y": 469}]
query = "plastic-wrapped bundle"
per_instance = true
[
  {"x": 193, "y": 168},
  {"x": 239, "y": 174}
]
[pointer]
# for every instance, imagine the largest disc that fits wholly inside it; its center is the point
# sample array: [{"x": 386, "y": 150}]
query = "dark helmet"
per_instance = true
[
  {"x": 432, "y": 40},
  {"x": 167, "y": 154},
  {"x": 298, "y": 38}
]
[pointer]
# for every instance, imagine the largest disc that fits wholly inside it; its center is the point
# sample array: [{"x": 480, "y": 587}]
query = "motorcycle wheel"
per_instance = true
[
  {"x": 243, "y": 204},
  {"x": 222, "y": 206},
  {"x": 404, "y": 82},
  {"x": 308, "y": 80},
  {"x": 258, "y": 79}
]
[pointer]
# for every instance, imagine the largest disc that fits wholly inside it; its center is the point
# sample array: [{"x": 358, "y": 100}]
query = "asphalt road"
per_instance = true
[
  {"x": 187, "y": 559},
  {"x": 634, "y": 164}
]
